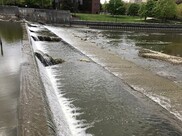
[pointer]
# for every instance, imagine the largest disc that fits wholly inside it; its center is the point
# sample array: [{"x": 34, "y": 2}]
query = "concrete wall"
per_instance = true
[
  {"x": 129, "y": 26},
  {"x": 10, "y": 10},
  {"x": 38, "y": 15},
  {"x": 45, "y": 16}
]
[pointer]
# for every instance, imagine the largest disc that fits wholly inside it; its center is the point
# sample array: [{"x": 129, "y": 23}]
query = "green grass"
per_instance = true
[{"x": 108, "y": 18}]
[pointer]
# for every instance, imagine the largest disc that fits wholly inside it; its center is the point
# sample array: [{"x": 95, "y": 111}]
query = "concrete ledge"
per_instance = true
[{"x": 34, "y": 115}]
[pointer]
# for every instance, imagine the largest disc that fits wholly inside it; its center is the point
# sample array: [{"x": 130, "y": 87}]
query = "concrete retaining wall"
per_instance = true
[
  {"x": 130, "y": 26},
  {"x": 46, "y": 16},
  {"x": 38, "y": 15},
  {"x": 10, "y": 10}
]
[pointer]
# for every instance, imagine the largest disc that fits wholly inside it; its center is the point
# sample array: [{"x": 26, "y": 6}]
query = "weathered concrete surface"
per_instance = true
[
  {"x": 38, "y": 15},
  {"x": 34, "y": 117},
  {"x": 161, "y": 90}
]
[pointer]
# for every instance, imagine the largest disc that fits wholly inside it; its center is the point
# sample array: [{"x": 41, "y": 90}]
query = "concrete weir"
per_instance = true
[
  {"x": 33, "y": 113},
  {"x": 81, "y": 98},
  {"x": 162, "y": 91},
  {"x": 59, "y": 99}
]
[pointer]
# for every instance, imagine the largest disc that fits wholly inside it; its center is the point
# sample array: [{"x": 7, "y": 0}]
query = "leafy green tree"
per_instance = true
[
  {"x": 142, "y": 11},
  {"x": 150, "y": 5},
  {"x": 165, "y": 9},
  {"x": 179, "y": 11},
  {"x": 29, "y": 3},
  {"x": 147, "y": 10},
  {"x": 105, "y": 7},
  {"x": 67, "y": 5},
  {"x": 116, "y": 7},
  {"x": 133, "y": 9}
]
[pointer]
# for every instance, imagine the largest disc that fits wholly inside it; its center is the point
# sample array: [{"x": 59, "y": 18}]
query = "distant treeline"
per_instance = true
[{"x": 29, "y": 3}]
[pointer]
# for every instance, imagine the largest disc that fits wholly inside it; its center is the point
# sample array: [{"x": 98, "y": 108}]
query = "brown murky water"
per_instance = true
[{"x": 11, "y": 35}]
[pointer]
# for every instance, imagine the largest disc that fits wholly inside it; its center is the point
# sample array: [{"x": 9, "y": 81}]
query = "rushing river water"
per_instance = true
[
  {"x": 11, "y": 36},
  {"x": 88, "y": 100}
]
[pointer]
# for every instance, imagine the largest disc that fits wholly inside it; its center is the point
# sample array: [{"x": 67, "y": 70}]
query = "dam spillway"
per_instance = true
[
  {"x": 76, "y": 97},
  {"x": 89, "y": 100}
]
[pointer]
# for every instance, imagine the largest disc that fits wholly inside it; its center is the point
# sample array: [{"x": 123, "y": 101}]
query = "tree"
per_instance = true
[
  {"x": 133, "y": 9},
  {"x": 142, "y": 11},
  {"x": 147, "y": 10},
  {"x": 150, "y": 5},
  {"x": 105, "y": 7},
  {"x": 67, "y": 5},
  {"x": 116, "y": 7},
  {"x": 29, "y": 3},
  {"x": 165, "y": 9},
  {"x": 179, "y": 11}
]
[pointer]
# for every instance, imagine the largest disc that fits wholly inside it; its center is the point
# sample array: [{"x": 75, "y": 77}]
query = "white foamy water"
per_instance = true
[
  {"x": 77, "y": 127},
  {"x": 64, "y": 112},
  {"x": 161, "y": 100}
]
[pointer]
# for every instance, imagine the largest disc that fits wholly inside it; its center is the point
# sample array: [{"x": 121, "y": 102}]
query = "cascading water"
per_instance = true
[
  {"x": 85, "y": 99},
  {"x": 64, "y": 112}
]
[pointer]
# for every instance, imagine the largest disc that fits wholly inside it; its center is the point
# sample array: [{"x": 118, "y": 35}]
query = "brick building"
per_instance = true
[{"x": 89, "y": 6}]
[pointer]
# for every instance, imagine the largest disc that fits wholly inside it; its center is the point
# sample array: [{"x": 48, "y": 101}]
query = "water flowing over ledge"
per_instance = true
[
  {"x": 34, "y": 116},
  {"x": 85, "y": 98},
  {"x": 64, "y": 113}
]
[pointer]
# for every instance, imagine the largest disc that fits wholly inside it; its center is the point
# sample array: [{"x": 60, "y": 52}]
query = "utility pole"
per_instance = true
[{"x": 1, "y": 47}]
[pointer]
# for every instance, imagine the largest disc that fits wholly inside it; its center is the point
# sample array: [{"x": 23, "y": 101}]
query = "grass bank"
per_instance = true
[
  {"x": 120, "y": 18},
  {"x": 107, "y": 18}
]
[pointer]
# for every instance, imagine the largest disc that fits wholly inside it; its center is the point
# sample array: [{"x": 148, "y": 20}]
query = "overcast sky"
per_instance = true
[{"x": 102, "y": 1}]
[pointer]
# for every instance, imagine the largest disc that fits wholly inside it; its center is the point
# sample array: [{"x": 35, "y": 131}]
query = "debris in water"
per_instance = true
[
  {"x": 85, "y": 60},
  {"x": 146, "y": 53}
]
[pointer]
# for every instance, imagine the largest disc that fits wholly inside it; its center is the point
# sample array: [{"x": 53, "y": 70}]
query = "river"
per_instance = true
[
  {"x": 87, "y": 99},
  {"x": 10, "y": 58}
]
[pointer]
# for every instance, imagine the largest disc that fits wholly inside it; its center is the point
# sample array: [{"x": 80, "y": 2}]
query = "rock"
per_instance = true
[
  {"x": 49, "y": 39},
  {"x": 58, "y": 61},
  {"x": 46, "y": 59}
]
